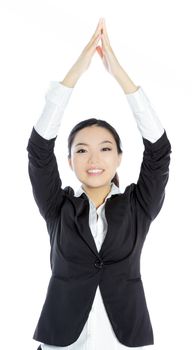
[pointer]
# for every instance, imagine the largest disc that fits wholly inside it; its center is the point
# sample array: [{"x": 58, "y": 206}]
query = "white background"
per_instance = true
[{"x": 40, "y": 40}]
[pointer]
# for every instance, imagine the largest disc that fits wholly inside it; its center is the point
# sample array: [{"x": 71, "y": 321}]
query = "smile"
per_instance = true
[{"x": 95, "y": 171}]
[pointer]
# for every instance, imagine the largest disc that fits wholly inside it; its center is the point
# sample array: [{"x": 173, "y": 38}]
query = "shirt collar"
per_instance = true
[{"x": 114, "y": 190}]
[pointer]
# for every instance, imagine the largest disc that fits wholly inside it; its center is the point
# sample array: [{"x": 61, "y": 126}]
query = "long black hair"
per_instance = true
[{"x": 103, "y": 124}]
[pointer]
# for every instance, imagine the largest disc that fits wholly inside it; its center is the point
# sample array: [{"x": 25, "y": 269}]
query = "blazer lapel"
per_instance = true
[{"x": 82, "y": 221}]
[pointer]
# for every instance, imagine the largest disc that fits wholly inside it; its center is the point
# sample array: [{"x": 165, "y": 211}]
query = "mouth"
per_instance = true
[{"x": 95, "y": 172}]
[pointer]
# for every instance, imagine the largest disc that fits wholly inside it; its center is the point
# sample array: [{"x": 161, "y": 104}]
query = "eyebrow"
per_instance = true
[{"x": 85, "y": 144}]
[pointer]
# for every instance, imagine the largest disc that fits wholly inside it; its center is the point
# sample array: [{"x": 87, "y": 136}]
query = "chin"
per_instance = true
[{"x": 97, "y": 184}]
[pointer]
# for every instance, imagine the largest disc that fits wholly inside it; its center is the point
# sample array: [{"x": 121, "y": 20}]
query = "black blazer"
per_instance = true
[{"x": 77, "y": 267}]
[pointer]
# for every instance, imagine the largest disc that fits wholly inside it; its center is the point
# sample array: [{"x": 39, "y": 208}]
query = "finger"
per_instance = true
[
  {"x": 94, "y": 44},
  {"x": 95, "y": 35},
  {"x": 104, "y": 30},
  {"x": 104, "y": 41},
  {"x": 98, "y": 29},
  {"x": 99, "y": 24}
]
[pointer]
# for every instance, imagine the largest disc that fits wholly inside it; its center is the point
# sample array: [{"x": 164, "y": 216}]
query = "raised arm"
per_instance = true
[
  {"x": 111, "y": 62},
  {"x": 154, "y": 172},
  {"x": 42, "y": 165},
  {"x": 154, "y": 175}
]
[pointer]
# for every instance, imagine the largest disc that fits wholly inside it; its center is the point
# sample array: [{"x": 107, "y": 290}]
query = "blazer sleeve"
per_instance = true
[
  {"x": 153, "y": 176},
  {"x": 44, "y": 175}
]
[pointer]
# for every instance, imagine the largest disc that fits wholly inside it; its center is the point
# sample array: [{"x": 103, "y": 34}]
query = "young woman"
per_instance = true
[{"x": 95, "y": 297}]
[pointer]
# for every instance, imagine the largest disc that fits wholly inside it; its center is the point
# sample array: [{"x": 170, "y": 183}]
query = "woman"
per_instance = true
[{"x": 95, "y": 297}]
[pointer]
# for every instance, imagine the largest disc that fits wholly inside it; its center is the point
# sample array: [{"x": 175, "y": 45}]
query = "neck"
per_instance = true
[{"x": 97, "y": 195}]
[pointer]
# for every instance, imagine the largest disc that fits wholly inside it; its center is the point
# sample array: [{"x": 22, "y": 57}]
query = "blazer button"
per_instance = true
[{"x": 98, "y": 264}]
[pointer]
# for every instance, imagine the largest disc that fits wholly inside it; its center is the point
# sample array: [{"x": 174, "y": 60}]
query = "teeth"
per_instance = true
[{"x": 95, "y": 171}]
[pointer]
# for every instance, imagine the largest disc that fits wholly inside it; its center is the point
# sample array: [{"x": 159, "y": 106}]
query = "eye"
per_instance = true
[
  {"x": 106, "y": 148},
  {"x": 79, "y": 151},
  {"x": 103, "y": 149}
]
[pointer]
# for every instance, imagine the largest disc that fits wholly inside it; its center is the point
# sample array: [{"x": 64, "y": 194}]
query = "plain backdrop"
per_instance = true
[{"x": 40, "y": 40}]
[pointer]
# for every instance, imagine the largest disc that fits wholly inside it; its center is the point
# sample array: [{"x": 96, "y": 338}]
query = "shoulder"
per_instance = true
[{"x": 68, "y": 191}]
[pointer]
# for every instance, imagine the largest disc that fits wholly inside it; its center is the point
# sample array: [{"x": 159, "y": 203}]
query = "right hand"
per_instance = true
[
  {"x": 84, "y": 60},
  {"x": 107, "y": 54}
]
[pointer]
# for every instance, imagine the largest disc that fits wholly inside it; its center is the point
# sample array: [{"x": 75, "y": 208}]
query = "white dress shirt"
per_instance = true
[{"x": 97, "y": 333}]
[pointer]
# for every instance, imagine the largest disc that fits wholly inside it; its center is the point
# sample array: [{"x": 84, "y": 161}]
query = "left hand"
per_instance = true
[
  {"x": 106, "y": 53},
  {"x": 84, "y": 60}
]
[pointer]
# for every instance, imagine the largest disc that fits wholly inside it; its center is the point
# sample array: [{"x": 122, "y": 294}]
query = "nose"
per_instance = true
[{"x": 93, "y": 159}]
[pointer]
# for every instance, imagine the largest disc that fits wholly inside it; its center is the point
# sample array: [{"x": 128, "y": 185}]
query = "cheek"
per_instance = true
[
  {"x": 111, "y": 161},
  {"x": 79, "y": 163}
]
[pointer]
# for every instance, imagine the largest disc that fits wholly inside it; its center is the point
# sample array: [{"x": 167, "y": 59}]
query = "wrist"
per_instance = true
[
  {"x": 69, "y": 81},
  {"x": 124, "y": 80},
  {"x": 71, "y": 78}
]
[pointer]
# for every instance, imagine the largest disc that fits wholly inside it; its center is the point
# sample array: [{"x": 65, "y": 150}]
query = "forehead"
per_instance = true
[{"x": 93, "y": 135}]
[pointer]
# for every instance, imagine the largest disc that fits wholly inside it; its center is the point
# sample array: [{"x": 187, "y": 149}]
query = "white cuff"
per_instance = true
[
  {"x": 58, "y": 93},
  {"x": 57, "y": 97},
  {"x": 146, "y": 118}
]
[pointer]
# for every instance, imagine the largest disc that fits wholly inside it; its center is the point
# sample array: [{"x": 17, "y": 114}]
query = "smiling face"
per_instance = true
[{"x": 94, "y": 148}]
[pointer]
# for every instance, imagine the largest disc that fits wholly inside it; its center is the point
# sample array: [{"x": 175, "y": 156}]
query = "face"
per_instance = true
[{"x": 94, "y": 148}]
